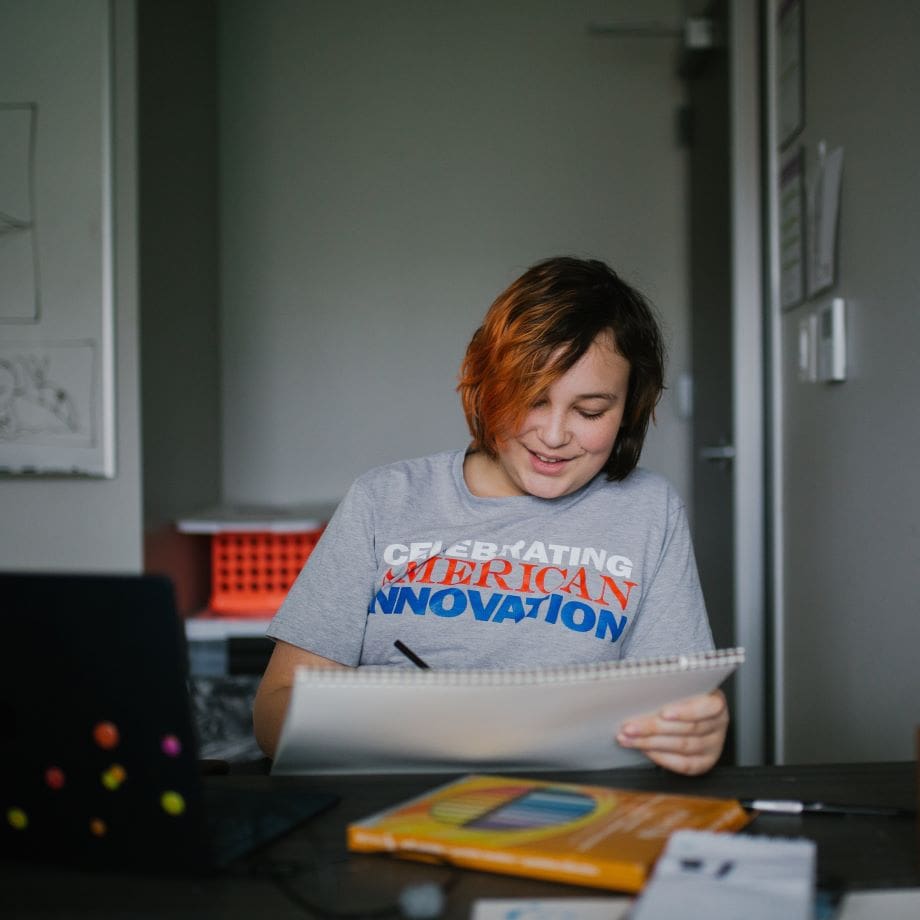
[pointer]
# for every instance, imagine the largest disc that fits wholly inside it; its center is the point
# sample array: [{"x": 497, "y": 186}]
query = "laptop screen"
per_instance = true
[{"x": 97, "y": 746}]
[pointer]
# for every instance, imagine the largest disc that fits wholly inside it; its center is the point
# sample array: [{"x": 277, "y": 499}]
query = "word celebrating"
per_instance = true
[{"x": 537, "y": 552}]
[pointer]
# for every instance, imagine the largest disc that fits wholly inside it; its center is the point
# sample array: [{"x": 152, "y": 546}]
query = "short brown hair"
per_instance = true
[{"x": 559, "y": 307}]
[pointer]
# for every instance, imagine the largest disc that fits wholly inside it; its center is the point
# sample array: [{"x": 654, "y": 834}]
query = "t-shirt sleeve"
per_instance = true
[
  {"x": 326, "y": 609},
  {"x": 671, "y": 619}
]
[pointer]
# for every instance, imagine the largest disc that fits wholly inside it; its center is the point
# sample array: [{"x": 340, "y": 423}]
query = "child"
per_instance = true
[{"x": 541, "y": 543}]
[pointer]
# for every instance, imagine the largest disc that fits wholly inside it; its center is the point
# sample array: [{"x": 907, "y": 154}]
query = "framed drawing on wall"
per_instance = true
[
  {"x": 790, "y": 90},
  {"x": 791, "y": 196},
  {"x": 56, "y": 238}
]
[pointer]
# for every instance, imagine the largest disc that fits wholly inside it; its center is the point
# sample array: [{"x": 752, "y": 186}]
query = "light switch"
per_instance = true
[
  {"x": 831, "y": 341},
  {"x": 807, "y": 356}
]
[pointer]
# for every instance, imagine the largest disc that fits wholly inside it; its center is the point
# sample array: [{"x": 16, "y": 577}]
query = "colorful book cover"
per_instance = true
[{"x": 566, "y": 832}]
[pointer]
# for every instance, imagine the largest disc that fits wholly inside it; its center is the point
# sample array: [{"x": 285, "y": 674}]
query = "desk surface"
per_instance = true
[{"x": 309, "y": 873}]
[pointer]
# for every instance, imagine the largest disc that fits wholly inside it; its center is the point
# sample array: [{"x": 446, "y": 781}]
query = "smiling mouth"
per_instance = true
[{"x": 552, "y": 460}]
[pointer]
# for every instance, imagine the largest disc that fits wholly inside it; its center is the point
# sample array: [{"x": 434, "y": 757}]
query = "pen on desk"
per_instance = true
[
  {"x": 418, "y": 662},
  {"x": 795, "y": 807}
]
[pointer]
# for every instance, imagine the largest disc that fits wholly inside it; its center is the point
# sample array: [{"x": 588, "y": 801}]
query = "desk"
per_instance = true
[{"x": 853, "y": 852}]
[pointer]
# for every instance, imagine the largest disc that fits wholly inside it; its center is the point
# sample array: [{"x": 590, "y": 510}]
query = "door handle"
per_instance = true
[{"x": 717, "y": 453}]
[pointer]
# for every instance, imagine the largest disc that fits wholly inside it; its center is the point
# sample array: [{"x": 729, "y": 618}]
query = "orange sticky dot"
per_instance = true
[
  {"x": 172, "y": 802},
  {"x": 105, "y": 734},
  {"x": 113, "y": 777},
  {"x": 17, "y": 818},
  {"x": 98, "y": 827},
  {"x": 54, "y": 777}
]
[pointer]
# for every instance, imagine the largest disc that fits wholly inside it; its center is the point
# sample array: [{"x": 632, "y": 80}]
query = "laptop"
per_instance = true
[{"x": 97, "y": 745}]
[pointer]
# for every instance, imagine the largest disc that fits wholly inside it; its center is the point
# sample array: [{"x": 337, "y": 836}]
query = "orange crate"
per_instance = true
[{"x": 252, "y": 572}]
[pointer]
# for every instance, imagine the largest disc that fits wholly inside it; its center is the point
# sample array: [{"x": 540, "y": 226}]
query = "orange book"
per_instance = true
[{"x": 565, "y": 832}]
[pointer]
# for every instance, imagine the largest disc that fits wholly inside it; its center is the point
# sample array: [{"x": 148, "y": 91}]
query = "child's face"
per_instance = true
[{"x": 566, "y": 438}]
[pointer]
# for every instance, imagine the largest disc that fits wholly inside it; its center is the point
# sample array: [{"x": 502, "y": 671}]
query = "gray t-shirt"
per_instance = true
[{"x": 607, "y": 572}]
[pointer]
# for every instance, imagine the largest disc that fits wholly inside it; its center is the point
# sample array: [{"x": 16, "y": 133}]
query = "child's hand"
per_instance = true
[{"x": 686, "y": 736}]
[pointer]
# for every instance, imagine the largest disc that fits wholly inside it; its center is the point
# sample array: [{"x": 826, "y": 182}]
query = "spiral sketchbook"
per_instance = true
[{"x": 396, "y": 720}]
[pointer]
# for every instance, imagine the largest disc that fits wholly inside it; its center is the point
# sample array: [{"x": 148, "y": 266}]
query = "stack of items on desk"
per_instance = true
[{"x": 706, "y": 876}]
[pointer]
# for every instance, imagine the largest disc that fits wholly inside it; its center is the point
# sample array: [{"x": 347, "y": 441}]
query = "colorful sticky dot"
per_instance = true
[
  {"x": 17, "y": 818},
  {"x": 54, "y": 777},
  {"x": 98, "y": 827},
  {"x": 113, "y": 777},
  {"x": 105, "y": 734},
  {"x": 172, "y": 802},
  {"x": 171, "y": 746}
]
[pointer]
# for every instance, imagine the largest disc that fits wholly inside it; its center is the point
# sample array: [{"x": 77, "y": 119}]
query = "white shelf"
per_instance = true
[
  {"x": 213, "y": 628},
  {"x": 257, "y": 518}
]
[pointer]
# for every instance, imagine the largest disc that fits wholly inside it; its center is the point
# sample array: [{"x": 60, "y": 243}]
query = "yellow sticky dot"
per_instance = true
[
  {"x": 172, "y": 802},
  {"x": 98, "y": 827},
  {"x": 17, "y": 819},
  {"x": 113, "y": 777}
]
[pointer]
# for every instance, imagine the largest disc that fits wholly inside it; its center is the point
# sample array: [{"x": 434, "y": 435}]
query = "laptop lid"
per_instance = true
[{"x": 97, "y": 745}]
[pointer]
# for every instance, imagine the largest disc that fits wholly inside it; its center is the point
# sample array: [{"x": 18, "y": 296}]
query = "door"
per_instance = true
[
  {"x": 706, "y": 75},
  {"x": 722, "y": 88}
]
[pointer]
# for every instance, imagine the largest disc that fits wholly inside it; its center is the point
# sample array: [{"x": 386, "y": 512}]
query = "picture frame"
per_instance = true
[{"x": 57, "y": 386}]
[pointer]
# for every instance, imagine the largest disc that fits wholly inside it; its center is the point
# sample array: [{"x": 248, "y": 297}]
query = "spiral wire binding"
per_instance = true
[{"x": 571, "y": 674}]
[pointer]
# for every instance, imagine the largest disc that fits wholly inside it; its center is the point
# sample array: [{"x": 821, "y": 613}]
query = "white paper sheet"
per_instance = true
[
  {"x": 551, "y": 909},
  {"x": 888, "y": 904}
]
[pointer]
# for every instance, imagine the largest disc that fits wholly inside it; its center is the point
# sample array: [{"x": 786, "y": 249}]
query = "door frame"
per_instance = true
[
  {"x": 749, "y": 408},
  {"x": 773, "y": 326}
]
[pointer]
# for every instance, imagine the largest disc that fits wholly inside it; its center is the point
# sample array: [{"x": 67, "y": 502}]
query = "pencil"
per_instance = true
[{"x": 418, "y": 662}]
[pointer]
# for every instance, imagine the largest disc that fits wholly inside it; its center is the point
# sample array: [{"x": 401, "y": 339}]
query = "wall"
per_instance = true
[
  {"x": 386, "y": 169},
  {"x": 385, "y": 172},
  {"x": 179, "y": 289},
  {"x": 851, "y": 451},
  {"x": 71, "y": 523},
  {"x": 179, "y": 292}
]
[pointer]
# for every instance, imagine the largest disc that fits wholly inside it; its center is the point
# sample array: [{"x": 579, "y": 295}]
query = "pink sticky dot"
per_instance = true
[{"x": 171, "y": 746}]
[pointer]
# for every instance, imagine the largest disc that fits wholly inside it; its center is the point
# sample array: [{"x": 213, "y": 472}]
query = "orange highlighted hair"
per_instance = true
[{"x": 537, "y": 329}]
